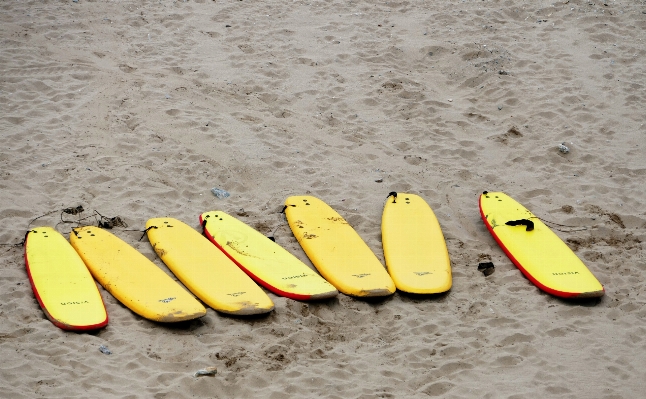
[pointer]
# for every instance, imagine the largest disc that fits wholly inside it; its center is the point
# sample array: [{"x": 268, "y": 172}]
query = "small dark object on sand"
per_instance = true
[
  {"x": 487, "y": 268},
  {"x": 74, "y": 211},
  {"x": 209, "y": 371},
  {"x": 108, "y": 223}
]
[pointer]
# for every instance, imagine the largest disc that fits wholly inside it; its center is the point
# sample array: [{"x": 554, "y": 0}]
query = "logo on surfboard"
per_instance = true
[
  {"x": 298, "y": 276},
  {"x": 74, "y": 303}
]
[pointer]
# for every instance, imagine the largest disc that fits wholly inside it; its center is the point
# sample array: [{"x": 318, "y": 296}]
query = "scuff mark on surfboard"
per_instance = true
[
  {"x": 492, "y": 222},
  {"x": 247, "y": 308},
  {"x": 177, "y": 317},
  {"x": 375, "y": 292},
  {"x": 234, "y": 246},
  {"x": 337, "y": 219},
  {"x": 159, "y": 251}
]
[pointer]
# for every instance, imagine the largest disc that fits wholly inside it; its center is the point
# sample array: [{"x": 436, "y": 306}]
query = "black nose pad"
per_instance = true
[{"x": 522, "y": 222}]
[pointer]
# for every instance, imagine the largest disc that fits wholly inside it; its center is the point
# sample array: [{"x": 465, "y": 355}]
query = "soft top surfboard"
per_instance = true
[
  {"x": 414, "y": 246},
  {"x": 539, "y": 253},
  {"x": 62, "y": 284},
  {"x": 205, "y": 270},
  {"x": 133, "y": 279},
  {"x": 263, "y": 260},
  {"x": 335, "y": 248}
]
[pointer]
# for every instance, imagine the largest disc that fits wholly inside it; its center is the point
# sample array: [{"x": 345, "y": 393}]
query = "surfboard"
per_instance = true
[
  {"x": 535, "y": 249},
  {"x": 269, "y": 264},
  {"x": 414, "y": 246},
  {"x": 132, "y": 278},
  {"x": 335, "y": 248},
  {"x": 205, "y": 270},
  {"x": 62, "y": 284}
]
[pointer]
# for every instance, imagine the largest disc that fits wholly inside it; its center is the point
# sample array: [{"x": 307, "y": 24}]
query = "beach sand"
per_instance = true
[{"x": 137, "y": 109}]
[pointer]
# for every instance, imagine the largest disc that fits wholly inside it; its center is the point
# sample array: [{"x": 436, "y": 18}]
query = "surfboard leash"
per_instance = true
[
  {"x": 24, "y": 240},
  {"x": 108, "y": 223},
  {"x": 572, "y": 228},
  {"x": 146, "y": 231},
  {"x": 103, "y": 222},
  {"x": 285, "y": 208},
  {"x": 530, "y": 225}
]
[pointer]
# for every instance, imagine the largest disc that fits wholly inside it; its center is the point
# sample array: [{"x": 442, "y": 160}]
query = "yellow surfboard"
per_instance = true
[
  {"x": 414, "y": 246},
  {"x": 263, "y": 260},
  {"x": 335, "y": 248},
  {"x": 539, "y": 253},
  {"x": 205, "y": 270},
  {"x": 133, "y": 279},
  {"x": 62, "y": 284}
]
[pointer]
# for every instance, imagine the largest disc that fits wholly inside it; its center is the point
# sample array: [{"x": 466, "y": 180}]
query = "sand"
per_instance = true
[{"x": 137, "y": 109}]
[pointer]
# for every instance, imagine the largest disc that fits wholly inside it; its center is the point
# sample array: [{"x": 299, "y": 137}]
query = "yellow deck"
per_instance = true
[
  {"x": 205, "y": 270},
  {"x": 335, "y": 248},
  {"x": 540, "y": 254},
  {"x": 265, "y": 261},
  {"x": 414, "y": 246},
  {"x": 133, "y": 279},
  {"x": 61, "y": 282}
]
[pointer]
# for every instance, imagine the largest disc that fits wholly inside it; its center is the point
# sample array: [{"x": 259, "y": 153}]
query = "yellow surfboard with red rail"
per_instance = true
[
  {"x": 62, "y": 284},
  {"x": 536, "y": 250},
  {"x": 263, "y": 260}
]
